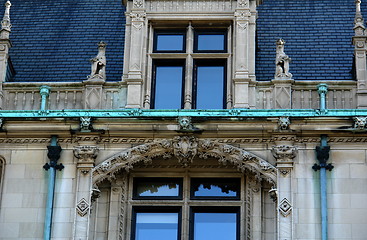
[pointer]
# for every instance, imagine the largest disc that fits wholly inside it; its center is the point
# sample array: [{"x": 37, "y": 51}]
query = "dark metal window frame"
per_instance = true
[
  {"x": 156, "y": 209},
  {"x": 196, "y": 180},
  {"x": 198, "y": 32},
  {"x": 215, "y": 209},
  {"x": 208, "y": 63},
  {"x": 168, "y": 63},
  {"x": 169, "y": 32},
  {"x": 179, "y": 181}
]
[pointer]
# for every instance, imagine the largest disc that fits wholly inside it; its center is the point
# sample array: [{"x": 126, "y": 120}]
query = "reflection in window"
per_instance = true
[
  {"x": 208, "y": 41},
  {"x": 209, "y": 86},
  {"x": 215, "y": 188},
  {"x": 156, "y": 226},
  {"x": 168, "y": 86},
  {"x": 168, "y": 41},
  {"x": 157, "y": 187},
  {"x": 215, "y": 226}
]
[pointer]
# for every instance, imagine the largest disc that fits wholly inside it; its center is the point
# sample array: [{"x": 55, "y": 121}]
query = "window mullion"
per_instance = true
[{"x": 189, "y": 63}]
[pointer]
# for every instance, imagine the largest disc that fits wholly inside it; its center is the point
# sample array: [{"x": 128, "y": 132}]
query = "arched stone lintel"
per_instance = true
[{"x": 185, "y": 148}]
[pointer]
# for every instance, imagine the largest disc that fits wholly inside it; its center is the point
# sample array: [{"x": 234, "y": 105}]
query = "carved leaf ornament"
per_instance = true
[{"x": 185, "y": 149}]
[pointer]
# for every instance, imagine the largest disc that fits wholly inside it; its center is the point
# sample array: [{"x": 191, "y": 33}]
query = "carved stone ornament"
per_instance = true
[
  {"x": 282, "y": 62},
  {"x": 85, "y": 124},
  {"x": 360, "y": 123},
  {"x": 98, "y": 69},
  {"x": 82, "y": 207},
  {"x": 138, "y": 3},
  {"x": 273, "y": 193},
  {"x": 86, "y": 154},
  {"x": 138, "y": 16},
  {"x": 284, "y": 153},
  {"x": 186, "y": 125},
  {"x": 1, "y": 122},
  {"x": 284, "y": 172},
  {"x": 185, "y": 149},
  {"x": 284, "y": 123},
  {"x": 285, "y": 207}
]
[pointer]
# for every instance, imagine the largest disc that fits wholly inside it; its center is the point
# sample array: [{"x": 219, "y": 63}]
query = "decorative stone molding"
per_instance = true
[
  {"x": 82, "y": 207},
  {"x": 282, "y": 62},
  {"x": 360, "y": 123},
  {"x": 284, "y": 123},
  {"x": 185, "y": 149},
  {"x": 284, "y": 153},
  {"x": 285, "y": 207}
]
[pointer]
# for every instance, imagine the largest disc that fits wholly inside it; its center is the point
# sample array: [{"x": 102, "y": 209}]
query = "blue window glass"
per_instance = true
[
  {"x": 167, "y": 41},
  {"x": 156, "y": 226},
  {"x": 215, "y": 226},
  {"x": 210, "y": 86},
  {"x": 209, "y": 41},
  {"x": 168, "y": 87},
  {"x": 206, "y": 188},
  {"x": 164, "y": 188}
]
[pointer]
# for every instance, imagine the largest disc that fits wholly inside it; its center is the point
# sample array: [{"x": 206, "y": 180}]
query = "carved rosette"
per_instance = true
[
  {"x": 86, "y": 156},
  {"x": 185, "y": 149}
]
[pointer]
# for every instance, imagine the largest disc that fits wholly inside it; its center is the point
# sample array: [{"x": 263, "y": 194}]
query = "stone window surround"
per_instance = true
[
  {"x": 189, "y": 56},
  {"x": 186, "y": 203}
]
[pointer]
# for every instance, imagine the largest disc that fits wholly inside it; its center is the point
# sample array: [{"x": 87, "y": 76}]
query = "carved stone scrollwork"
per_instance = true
[
  {"x": 185, "y": 149},
  {"x": 284, "y": 153},
  {"x": 360, "y": 123}
]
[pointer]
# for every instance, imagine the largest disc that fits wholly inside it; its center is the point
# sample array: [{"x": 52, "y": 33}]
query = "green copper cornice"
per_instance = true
[{"x": 152, "y": 113}]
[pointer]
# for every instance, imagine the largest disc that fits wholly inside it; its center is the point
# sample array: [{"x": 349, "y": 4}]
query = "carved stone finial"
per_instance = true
[
  {"x": 282, "y": 62},
  {"x": 5, "y": 23},
  {"x": 360, "y": 123},
  {"x": 284, "y": 123},
  {"x": 284, "y": 153},
  {"x": 85, "y": 124},
  {"x": 359, "y": 27},
  {"x": 98, "y": 71}
]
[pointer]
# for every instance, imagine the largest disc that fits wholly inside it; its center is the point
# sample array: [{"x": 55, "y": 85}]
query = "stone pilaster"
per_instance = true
[
  {"x": 85, "y": 162},
  {"x": 136, "y": 18},
  {"x": 284, "y": 155},
  {"x": 5, "y": 45},
  {"x": 360, "y": 48},
  {"x": 241, "y": 77}
]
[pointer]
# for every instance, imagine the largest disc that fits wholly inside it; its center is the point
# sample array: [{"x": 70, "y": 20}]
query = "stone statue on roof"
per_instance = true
[
  {"x": 99, "y": 63},
  {"x": 282, "y": 62}
]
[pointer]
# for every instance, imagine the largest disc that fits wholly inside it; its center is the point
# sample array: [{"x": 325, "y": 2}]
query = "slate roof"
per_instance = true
[
  {"x": 318, "y": 35},
  {"x": 53, "y": 40}
]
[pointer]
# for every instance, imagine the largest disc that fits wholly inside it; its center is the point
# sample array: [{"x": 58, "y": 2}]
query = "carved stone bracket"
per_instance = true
[
  {"x": 284, "y": 153},
  {"x": 185, "y": 149},
  {"x": 86, "y": 156}
]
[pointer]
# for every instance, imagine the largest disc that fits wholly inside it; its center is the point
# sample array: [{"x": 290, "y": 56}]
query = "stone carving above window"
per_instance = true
[{"x": 185, "y": 149}]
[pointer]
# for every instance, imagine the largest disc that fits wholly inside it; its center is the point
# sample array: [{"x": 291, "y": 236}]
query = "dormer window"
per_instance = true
[{"x": 189, "y": 68}]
